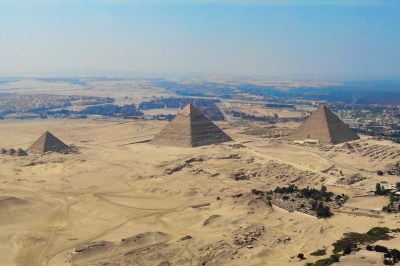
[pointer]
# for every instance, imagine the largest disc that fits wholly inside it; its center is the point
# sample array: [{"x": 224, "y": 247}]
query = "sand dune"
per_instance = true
[{"x": 140, "y": 204}]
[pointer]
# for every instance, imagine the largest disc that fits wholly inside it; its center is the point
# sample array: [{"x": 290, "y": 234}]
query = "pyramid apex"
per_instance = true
[
  {"x": 190, "y": 109},
  {"x": 323, "y": 108}
]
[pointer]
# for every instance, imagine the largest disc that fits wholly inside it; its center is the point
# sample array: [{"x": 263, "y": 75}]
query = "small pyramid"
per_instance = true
[
  {"x": 347, "y": 146},
  {"x": 11, "y": 151},
  {"x": 47, "y": 142},
  {"x": 21, "y": 152},
  {"x": 323, "y": 125},
  {"x": 190, "y": 128}
]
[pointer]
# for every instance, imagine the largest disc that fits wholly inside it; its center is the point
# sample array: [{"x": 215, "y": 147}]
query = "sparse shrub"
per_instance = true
[
  {"x": 286, "y": 190},
  {"x": 299, "y": 196},
  {"x": 335, "y": 257},
  {"x": 379, "y": 172},
  {"x": 352, "y": 238},
  {"x": 319, "y": 252},
  {"x": 378, "y": 231},
  {"x": 392, "y": 198},
  {"x": 379, "y": 248},
  {"x": 328, "y": 199},
  {"x": 347, "y": 250},
  {"x": 257, "y": 192},
  {"x": 323, "y": 211},
  {"x": 316, "y": 194},
  {"x": 313, "y": 204},
  {"x": 370, "y": 248},
  {"x": 395, "y": 253},
  {"x": 380, "y": 190},
  {"x": 387, "y": 262},
  {"x": 326, "y": 262},
  {"x": 301, "y": 256}
]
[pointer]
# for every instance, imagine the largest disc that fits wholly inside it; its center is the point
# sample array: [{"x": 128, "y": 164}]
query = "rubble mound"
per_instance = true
[
  {"x": 267, "y": 132},
  {"x": 393, "y": 169}
]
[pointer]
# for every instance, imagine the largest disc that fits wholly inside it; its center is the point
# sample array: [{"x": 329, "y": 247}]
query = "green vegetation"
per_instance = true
[
  {"x": 381, "y": 191},
  {"x": 317, "y": 198},
  {"x": 394, "y": 200},
  {"x": 308, "y": 193},
  {"x": 112, "y": 110},
  {"x": 378, "y": 231},
  {"x": 392, "y": 256},
  {"x": 382, "y": 249},
  {"x": 300, "y": 256},
  {"x": 348, "y": 243},
  {"x": 325, "y": 262},
  {"x": 319, "y": 252},
  {"x": 323, "y": 211},
  {"x": 353, "y": 239}
]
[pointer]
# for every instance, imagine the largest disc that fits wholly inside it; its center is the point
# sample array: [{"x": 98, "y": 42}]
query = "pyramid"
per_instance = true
[
  {"x": 11, "y": 151},
  {"x": 190, "y": 128},
  {"x": 47, "y": 142},
  {"x": 21, "y": 152},
  {"x": 324, "y": 126},
  {"x": 347, "y": 146}
]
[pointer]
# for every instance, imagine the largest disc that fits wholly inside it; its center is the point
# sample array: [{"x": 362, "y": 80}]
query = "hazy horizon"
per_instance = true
[{"x": 334, "y": 39}]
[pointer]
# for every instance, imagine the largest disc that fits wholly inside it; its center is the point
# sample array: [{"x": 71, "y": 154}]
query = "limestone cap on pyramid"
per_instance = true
[
  {"x": 190, "y": 109},
  {"x": 190, "y": 128},
  {"x": 47, "y": 142},
  {"x": 323, "y": 125}
]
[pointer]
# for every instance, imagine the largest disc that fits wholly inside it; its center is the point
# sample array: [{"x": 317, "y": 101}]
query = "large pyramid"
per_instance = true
[
  {"x": 47, "y": 142},
  {"x": 324, "y": 126},
  {"x": 190, "y": 128}
]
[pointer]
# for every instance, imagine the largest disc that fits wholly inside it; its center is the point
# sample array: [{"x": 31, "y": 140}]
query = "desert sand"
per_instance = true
[{"x": 123, "y": 201}]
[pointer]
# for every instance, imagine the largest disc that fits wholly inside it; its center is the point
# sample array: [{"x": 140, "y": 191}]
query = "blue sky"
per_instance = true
[{"x": 345, "y": 39}]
